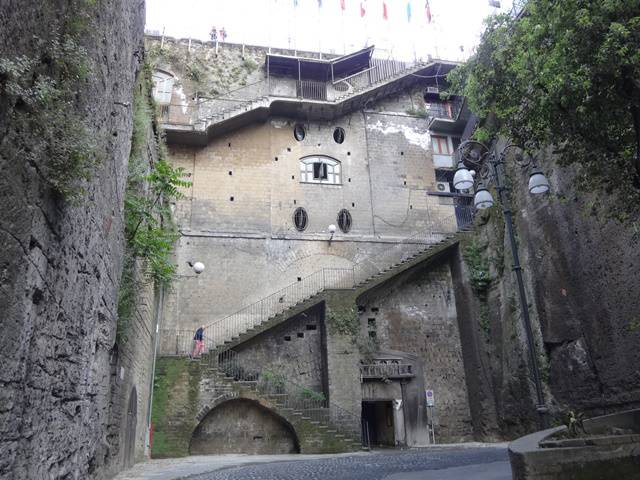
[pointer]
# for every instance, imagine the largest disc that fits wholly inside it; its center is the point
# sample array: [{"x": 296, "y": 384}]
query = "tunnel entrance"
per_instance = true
[
  {"x": 379, "y": 417},
  {"x": 243, "y": 426}
]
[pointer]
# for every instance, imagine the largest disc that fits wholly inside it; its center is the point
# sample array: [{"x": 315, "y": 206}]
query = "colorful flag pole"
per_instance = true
[
  {"x": 385, "y": 12},
  {"x": 343, "y": 7}
]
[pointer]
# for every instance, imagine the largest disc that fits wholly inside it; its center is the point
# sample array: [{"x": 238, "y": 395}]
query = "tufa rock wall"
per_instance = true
[
  {"x": 61, "y": 259},
  {"x": 580, "y": 272}
]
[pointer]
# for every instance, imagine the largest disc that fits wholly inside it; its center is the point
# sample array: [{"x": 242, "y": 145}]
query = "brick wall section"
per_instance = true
[
  {"x": 291, "y": 349},
  {"x": 416, "y": 314}
]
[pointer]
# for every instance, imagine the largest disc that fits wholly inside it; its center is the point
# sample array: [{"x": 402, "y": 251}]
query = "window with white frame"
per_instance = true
[
  {"x": 440, "y": 145},
  {"x": 162, "y": 87},
  {"x": 320, "y": 169}
]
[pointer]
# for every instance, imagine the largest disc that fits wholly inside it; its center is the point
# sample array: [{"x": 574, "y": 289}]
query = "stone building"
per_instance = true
[{"x": 322, "y": 209}]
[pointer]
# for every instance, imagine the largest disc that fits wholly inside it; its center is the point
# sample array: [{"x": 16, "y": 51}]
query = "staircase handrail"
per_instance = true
[
  {"x": 299, "y": 397},
  {"x": 318, "y": 281}
]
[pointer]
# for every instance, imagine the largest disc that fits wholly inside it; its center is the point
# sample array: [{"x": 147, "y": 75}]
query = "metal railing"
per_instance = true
[
  {"x": 289, "y": 396},
  {"x": 446, "y": 110},
  {"x": 386, "y": 370},
  {"x": 252, "y": 316},
  {"x": 205, "y": 111}
]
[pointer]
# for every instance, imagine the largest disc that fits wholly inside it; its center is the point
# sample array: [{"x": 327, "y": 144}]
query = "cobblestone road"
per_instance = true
[{"x": 423, "y": 464}]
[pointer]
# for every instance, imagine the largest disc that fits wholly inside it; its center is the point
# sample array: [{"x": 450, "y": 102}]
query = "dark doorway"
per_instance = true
[
  {"x": 379, "y": 416},
  {"x": 130, "y": 430}
]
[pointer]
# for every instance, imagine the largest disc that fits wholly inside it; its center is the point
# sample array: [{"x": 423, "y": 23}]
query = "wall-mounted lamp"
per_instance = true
[
  {"x": 198, "y": 267},
  {"x": 332, "y": 231}
]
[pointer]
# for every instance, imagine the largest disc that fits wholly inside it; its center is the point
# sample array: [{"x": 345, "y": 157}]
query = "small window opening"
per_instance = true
[
  {"x": 375, "y": 309},
  {"x": 353, "y": 204},
  {"x": 300, "y": 334},
  {"x": 300, "y": 218},
  {"x": 344, "y": 220},
  {"x": 288, "y": 149},
  {"x": 349, "y": 179},
  {"x": 371, "y": 322},
  {"x": 229, "y": 144},
  {"x": 299, "y": 279},
  {"x": 372, "y": 334},
  {"x": 276, "y": 159},
  {"x": 312, "y": 326},
  {"x": 230, "y": 173},
  {"x": 338, "y": 134},
  {"x": 231, "y": 198},
  {"x": 287, "y": 338},
  {"x": 348, "y": 154},
  {"x": 299, "y": 132},
  {"x": 401, "y": 153},
  {"x": 361, "y": 308}
]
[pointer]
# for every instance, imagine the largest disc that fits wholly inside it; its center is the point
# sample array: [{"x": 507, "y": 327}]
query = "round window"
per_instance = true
[
  {"x": 344, "y": 220},
  {"x": 300, "y": 219},
  {"x": 299, "y": 132},
  {"x": 338, "y": 134}
]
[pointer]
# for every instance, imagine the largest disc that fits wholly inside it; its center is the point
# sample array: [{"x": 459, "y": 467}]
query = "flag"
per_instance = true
[
  {"x": 428, "y": 12},
  {"x": 295, "y": 3},
  {"x": 362, "y": 9},
  {"x": 319, "y": 3},
  {"x": 385, "y": 13},
  {"x": 342, "y": 5},
  {"x": 408, "y": 11}
]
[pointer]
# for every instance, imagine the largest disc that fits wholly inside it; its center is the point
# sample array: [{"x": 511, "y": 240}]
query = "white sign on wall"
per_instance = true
[{"x": 430, "y": 398}]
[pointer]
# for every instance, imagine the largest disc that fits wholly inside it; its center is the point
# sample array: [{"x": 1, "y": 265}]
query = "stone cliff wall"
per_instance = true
[
  {"x": 61, "y": 260},
  {"x": 580, "y": 273}
]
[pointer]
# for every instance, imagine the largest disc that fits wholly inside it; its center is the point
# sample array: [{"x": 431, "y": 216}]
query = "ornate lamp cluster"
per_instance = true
[{"x": 475, "y": 156}]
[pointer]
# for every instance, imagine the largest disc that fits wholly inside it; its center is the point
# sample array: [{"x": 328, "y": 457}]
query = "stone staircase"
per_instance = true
[
  {"x": 319, "y": 428},
  {"x": 409, "y": 261}
]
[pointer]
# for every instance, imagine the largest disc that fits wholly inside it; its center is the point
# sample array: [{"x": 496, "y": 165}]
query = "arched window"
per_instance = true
[
  {"x": 320, "y": 169},
  {"x": 162, "y": 87},
  {"x": 300, "y": 219},
  {"x": 344, "y": 220}
]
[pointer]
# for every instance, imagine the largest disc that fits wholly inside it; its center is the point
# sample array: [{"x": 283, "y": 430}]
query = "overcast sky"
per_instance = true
[{"x": 307, "y": 26}]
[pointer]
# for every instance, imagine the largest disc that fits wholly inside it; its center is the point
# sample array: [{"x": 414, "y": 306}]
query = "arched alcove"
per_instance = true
[{"x": 243, "y": 426}]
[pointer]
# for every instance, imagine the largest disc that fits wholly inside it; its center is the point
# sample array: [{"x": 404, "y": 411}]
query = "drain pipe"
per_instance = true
[{"x": 160, "y": 304}]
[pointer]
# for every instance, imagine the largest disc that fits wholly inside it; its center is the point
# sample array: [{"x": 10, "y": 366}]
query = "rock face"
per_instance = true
[
  {"x": 60, "y": 263},
  {"x": 581, "y": 274}
]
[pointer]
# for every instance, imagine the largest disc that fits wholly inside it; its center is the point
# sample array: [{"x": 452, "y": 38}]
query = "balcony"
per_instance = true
[
  {"x": 386, "y": 369},
  {"x": 448, "y": 116}
]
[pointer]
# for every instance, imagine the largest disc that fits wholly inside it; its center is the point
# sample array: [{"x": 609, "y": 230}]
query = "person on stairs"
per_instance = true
[{"x": 198, "y": 342}]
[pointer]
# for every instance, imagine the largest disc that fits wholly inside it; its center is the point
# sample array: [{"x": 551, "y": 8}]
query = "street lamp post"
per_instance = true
[{"x": 477, "y": 156}]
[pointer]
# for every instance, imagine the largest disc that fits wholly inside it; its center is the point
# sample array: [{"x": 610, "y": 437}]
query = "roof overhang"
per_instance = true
[{"x": 317, "y": 68}]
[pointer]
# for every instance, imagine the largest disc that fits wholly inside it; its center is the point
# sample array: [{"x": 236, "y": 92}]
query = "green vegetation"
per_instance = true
[
  {"x": 343, "y": 321},
  {"x": 149, "y": 229},
  {"x": 566, "y": 74},
  {"x": 48, "y": 129},
  {"x": 479, "y": 276},
  {"x": 417, "y": 112},
  {"x": 312, "y": 395}
]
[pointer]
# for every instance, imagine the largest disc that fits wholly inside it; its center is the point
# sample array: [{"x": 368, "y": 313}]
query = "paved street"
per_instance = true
[{"x": 434, "y": 463}]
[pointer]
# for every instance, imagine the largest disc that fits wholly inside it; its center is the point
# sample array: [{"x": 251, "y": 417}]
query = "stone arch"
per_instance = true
[
  {"x": 242, "y": 425},
  {"x": 130, "y": 429}
]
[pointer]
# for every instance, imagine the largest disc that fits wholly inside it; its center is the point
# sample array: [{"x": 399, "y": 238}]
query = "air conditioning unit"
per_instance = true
[
  {"x": 433, "y": 90},
  {"x": 443, "y": 187}
]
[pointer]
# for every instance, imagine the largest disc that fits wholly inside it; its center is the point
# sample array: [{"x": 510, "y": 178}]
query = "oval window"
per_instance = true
[
  {"x": 300, "y": 219},
  {"x": 344, "y": 220},
  {"x": 299, "y": 132},
  {"x": 338, "y": 134}
]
